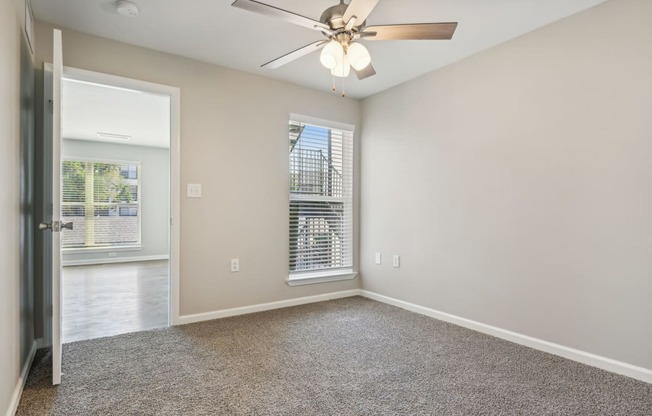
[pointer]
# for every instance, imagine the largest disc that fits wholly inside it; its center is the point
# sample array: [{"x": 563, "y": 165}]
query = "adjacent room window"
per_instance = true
[
  {"x": 321, "y": 198},
  {"x": 102, "y": 199}
]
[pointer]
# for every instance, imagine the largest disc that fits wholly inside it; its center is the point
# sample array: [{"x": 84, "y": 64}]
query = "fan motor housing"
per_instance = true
[{"x": 333, "y": 17}]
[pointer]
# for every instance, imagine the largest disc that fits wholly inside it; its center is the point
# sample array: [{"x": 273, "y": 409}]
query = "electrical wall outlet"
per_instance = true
[
  {"x": 113, "y": 254},
  {"x": 235, "y": 265},
  {"x": 377, "y": 258},
  {"x": 396, "y": 261},
  {"x": 194, "y": 190}
]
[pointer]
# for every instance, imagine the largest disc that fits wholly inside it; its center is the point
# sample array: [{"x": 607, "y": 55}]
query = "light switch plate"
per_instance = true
[
  {"x": 194, "y": 190},
  {"x": 378, "y": 258},
  {"x": 396, "y": 261},
  {"x": 235, "y": 265}
]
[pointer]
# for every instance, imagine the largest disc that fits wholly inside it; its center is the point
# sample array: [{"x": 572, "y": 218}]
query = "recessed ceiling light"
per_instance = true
[
  {"x": 126, "y": 8},
  {"x": 113, "y": 136}
]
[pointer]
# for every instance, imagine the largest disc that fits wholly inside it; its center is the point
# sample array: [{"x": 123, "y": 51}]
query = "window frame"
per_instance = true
[
  {"x": 304, "y": 277},
  {"x": 110, "y": 248}
]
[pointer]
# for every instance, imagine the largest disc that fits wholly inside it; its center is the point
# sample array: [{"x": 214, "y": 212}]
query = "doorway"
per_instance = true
[{"x": 119, "y": 164}]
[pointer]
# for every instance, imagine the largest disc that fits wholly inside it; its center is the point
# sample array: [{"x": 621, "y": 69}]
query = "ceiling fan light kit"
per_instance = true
[
  {"x": 331, "y": 54},
  {"x": 358, "y": 56},
  {"x": 340, "y": 57},
  {"x": 344, "y": 25},
  {"x": 343, "y": 68}
]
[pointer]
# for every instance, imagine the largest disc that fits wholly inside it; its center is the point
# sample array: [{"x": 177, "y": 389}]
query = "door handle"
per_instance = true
[{"x": 55, "y": 226}]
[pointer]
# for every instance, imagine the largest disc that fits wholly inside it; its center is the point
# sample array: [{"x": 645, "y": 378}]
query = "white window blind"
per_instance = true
[
  {"x": 321, "y": 198},
  {"x": 102, "y": 199}
]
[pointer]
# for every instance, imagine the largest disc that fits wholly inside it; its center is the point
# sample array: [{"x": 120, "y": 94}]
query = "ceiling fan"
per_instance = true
[{"x": 344, "y": 25}]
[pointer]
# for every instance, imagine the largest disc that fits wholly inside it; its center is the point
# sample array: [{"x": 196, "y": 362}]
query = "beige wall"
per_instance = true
[
  {"x": 516, "y": 185},
  {"x": 16, "y": 145},
  {"x": 233, "y": 142},
  {"x": 9, "y": 171}
]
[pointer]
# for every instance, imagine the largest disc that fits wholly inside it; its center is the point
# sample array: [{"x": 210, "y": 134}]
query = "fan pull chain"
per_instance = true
[{"x": 343, "y": 78}]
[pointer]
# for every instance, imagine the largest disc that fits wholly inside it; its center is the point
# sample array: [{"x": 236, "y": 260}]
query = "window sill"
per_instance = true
[
  {"x": 320, "y": 277},
  {"x": 101, "y": 249}
]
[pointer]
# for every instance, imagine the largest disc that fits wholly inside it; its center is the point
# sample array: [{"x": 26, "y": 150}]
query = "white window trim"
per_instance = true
[
  {"x": 318, "y": 122},
  {"x": 311, "y": 278}
]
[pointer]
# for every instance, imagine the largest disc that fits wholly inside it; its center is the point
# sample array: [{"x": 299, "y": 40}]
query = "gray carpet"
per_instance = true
[{"x": 344, "y": 357}]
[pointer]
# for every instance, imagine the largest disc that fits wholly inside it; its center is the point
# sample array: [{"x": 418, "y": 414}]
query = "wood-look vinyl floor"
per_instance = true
[{"x": 110, "y": 299}]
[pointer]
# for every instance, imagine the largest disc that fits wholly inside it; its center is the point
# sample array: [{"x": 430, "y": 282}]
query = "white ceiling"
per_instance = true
[
  {"x": 213, "y": 31},
  {"x": 89, "y": 109}
]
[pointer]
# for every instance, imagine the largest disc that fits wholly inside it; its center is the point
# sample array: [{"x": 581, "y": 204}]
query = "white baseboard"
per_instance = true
[
  {"x": 604, "y": 363},
  {"x": 207, "y": 316},
  {"x": 109, "y": 260},
  {"x": 18, "y": 391},
  {"x": 40, "y": 343},
  {"x": 619, "y": 367}
]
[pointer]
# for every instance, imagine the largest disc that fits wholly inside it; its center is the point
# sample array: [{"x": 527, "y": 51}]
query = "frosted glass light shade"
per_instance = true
[
  {"x": 332, "y": 54},
  {"x": 342, "y": 69},
  {"x": 358, "y": 56}
]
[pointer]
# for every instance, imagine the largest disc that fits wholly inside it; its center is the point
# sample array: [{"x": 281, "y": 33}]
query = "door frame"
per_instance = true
[{"x": 175, "y": 165}]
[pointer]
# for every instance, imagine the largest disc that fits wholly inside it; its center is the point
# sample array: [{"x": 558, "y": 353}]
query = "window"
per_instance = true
[
  {"x": 321, "y": 199},
  {"x": 103, "y": 201}
]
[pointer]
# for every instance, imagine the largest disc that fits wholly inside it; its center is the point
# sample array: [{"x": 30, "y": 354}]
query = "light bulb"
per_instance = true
[
  {"x": 342, "y": 69},
  {"x": 358, "y": 56},
  {"x": 332, "y": 54}
]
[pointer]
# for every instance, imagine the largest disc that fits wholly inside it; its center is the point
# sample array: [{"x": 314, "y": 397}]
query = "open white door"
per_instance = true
[
  {"x": 55, "y": 226},
  {"x": 53, "y": 79}
]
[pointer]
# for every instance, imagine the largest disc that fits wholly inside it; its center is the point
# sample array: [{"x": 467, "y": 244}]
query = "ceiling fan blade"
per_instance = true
[
  {"x": 416, "y": 31},
  {"x": 365, "y": 72},
  {"x": 360, "y": 9},
  {"x": 271, "y": 11},
  {"x": 289, "y": 57}
]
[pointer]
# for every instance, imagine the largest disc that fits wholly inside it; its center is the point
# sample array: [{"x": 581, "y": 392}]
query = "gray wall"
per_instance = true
[
  {"x": 16, "y": 198},
  {"x": 515, "y": 185},
  {"x": 155, "y": 170},
  {"x": 234, "y": 133}
]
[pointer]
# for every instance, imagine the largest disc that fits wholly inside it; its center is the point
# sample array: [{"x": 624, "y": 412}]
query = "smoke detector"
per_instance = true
[{"x": 126, "y": 8}]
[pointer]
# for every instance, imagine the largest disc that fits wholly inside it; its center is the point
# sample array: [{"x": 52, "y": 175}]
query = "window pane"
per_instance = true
[
  {"x": 74, "y": 214},
  {"x": 102, "y": 200},
  {"x": 319, "y": 235},
  {"x": 116, "y": 230},
  {"x": 73, "y": 177},
  {"x": 321, "y": 166}
]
